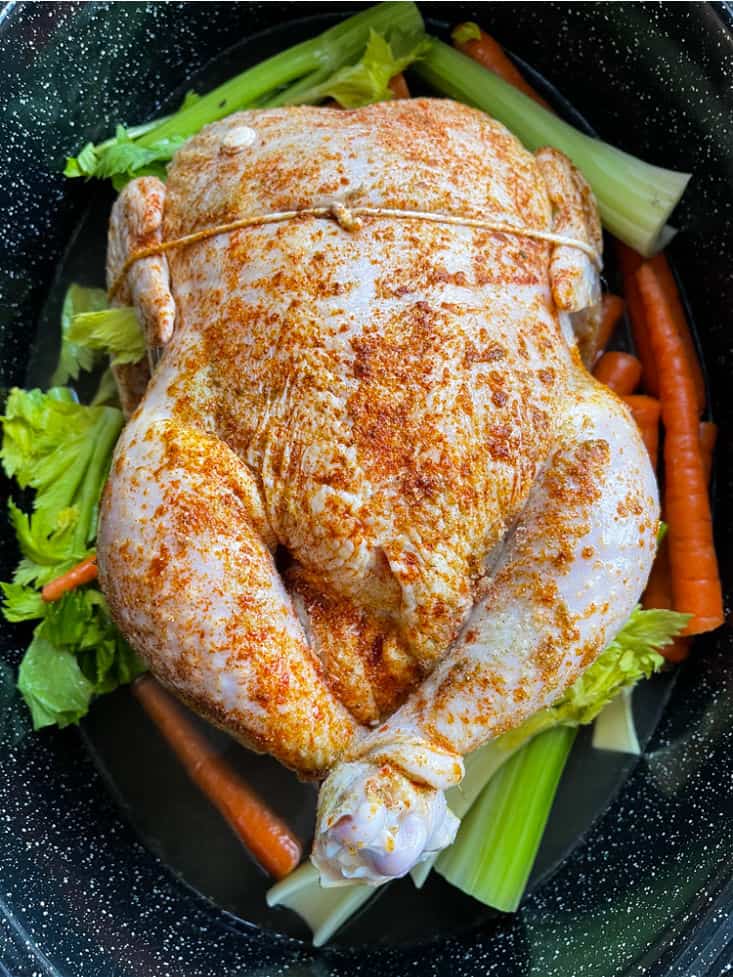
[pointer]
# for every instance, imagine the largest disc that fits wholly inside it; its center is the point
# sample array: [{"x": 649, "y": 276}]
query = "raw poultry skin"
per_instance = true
[{"x": 372, "y": 510}]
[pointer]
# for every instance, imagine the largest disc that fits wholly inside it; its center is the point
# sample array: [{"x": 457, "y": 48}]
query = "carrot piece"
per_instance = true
[
  {"x": 658, "y": 594},
  {"x": 398, "y": 86},
  {"x": 667, "y": 281},
  {"x": 646, "y": 412},
  {"x": 708, "y": 438},
  {"x": 82, "y": 573},
  {"x": 677, "y": 651},
  {"x": 261, "y": 831},
  {"x": 630, "y": 261},
  {"x": 621, "y": 372},
  {"x": 693, "y": 563},
  {"x": 490, "y": 54},
  {"x": 612, "y": 308}
]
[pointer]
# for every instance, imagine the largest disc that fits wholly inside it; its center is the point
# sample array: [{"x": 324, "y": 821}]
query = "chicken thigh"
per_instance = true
[{"x": 372, "y": 510}]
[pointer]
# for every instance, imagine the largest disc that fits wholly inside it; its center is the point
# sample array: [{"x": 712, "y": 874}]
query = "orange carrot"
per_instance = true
[
  {"x": 659, "y": 588},
  {"x": 82, "y": 573},
  {"x": 490, "y": 54},
  {"x": 677, "y": 651},
  {"x": 630, "y": 261},
  {"x": 398, "y": 86},
  {"x": 668, "y": 283},
  {"x": 658, "y": 594},
  {"x": 261, "y": 831},
  {"x": 708, "y": 437},
  {"x": 693, "y": 563},
  {"x": 619, "y": 371},
  {"x": 646, "y": 412},
  {"x": 612, "y": 308}
]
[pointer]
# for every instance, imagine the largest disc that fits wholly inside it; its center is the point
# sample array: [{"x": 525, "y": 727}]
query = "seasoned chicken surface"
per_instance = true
[{"x": 372, "y": 510}]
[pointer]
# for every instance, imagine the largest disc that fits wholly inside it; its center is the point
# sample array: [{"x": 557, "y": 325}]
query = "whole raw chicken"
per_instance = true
[{"x": 372, "y": 510}]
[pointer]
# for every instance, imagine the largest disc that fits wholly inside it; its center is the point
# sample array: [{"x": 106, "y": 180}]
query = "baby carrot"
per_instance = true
[
  {"x": 708, "y": 437},
  {"x": 693, "y": 563},
  {"x": 621, "y": 372},
  {"x": 82, "y": 573},
  {"x": 261, "y": 831},
  {"x": 398, "y": 86},
  {"x": 481, "y": 47},
  {"x": 612, "y": 308},
  {"x": 677, "y": 651},
  {"x": 630, "y": 261},
  {"x": 646, "y": 412},
  {"x": 667, "y": 282},
  {"x": 658, "y": 594}
]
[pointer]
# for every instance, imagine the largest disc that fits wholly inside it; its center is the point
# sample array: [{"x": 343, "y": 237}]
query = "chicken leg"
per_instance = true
[
  {"x": 565, "y": 580},
  {"x": 185, "y": 559}
]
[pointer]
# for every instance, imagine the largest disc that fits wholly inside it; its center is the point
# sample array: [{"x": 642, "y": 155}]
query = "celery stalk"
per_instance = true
[
  {"x": 324, "y": 910},
  {"x": 324, "y": 54},
  {"x": 497, "y": 842},
  {"x": 293, "y": 93},
  {"x": 635, "y": 198},
  {"x": 481, "y": 766},
  {"x": 614, "y": 728},
  {"x": 103, "y": 436},
  {"x": 135, "y": 132}
]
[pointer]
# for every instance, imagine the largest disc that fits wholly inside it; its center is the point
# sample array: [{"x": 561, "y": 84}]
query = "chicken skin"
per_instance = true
[{"x": 372, "y": 510}]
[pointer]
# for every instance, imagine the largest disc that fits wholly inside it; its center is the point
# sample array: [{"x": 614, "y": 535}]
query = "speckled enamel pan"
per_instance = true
[{"x": 111, "y": 865}]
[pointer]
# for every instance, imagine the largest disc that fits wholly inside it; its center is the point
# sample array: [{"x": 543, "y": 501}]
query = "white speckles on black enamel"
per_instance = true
[{"x": 648, "y": 892}]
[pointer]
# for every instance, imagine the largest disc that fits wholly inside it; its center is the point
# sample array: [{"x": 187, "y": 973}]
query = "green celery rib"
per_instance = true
[
  {"x": 134, "y": 132},
  {"x": 336, "y": 47},
  {"x": 65, "y": 488},
  {"x": 481, "y": 766},
  {"x": 292, "y": 94},
  {"x": 497, "y": 842},
  {"x": 635, "y": 198},
  {"x": 104, "y": 434}
]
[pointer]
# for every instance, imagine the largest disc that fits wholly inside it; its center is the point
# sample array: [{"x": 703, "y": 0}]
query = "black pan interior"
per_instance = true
[{"x": 637, "y": 891}]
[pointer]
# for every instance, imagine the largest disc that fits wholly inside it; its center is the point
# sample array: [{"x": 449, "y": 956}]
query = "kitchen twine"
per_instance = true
[{"x": 350, "y": 220}]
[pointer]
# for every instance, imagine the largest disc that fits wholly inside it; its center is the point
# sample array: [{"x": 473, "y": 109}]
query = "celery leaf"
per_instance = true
[
  {"x": 76, "y": 654},
  {"x": 115, "y": 331},
  {"x": 21, "y": 603},
  {"x": 122, "y": 158},
  {"x": 74, "y": 358},
  {"x": 368, "y": 80},
  {"x": 632, "y": 655},
  {"x": 62, "y": 450},
  {"x": 53, "y": 685}
]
